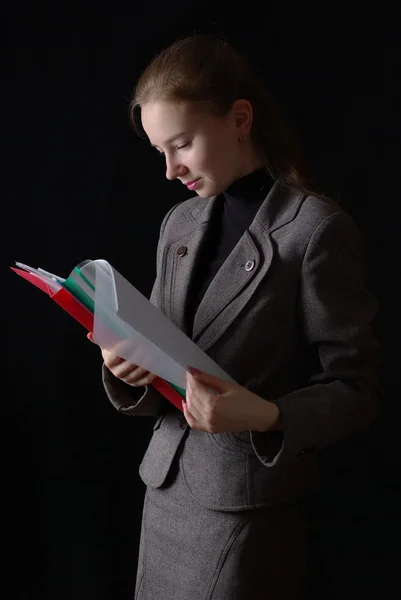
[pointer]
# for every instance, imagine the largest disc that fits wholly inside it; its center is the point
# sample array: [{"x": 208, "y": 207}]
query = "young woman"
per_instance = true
[{"x": 266, "y": 276}]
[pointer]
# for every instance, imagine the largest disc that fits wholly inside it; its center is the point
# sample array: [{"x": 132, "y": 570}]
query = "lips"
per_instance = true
[{"x": 192, "y": 184}]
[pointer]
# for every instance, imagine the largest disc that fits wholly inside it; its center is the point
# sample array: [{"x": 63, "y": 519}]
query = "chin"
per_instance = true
[
  {"x": 203, "y": 194},
  {"x": 206, "y": 191}
]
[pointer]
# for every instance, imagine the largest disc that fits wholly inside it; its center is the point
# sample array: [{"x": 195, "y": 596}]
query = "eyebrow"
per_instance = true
[{"x": 173, "y": 138}]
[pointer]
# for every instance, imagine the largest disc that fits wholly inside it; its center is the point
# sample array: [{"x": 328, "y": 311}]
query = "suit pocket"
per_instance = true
[
  {"x": 240, "y": 440},
  {"x": 216, "y": 473},
  {"x": 158, "y": 458}
]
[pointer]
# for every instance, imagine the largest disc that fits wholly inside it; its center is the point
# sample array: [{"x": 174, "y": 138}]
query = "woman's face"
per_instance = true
[{"x": 203, "y": 152}]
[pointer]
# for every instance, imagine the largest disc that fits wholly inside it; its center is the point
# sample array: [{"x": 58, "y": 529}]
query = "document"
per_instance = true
[{"x": 122, "y": 319}]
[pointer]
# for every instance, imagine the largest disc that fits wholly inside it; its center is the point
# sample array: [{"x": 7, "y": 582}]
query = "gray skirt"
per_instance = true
[{"x": 188, "y": 552}]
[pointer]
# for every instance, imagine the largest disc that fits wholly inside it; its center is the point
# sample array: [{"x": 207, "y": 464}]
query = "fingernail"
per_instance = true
[{"x": 194, "y": 371}]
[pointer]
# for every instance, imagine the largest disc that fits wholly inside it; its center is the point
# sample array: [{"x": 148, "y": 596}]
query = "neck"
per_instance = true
[{"x": 251, "y": 188}]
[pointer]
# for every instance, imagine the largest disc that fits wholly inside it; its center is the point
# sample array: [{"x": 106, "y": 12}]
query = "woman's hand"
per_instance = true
[
  {"x": 217, "y": 406},
  {"x": 124, "y": 370}
]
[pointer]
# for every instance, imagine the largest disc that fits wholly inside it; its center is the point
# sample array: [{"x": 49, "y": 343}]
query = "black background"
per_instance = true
[{"x": 79, "y": 184}]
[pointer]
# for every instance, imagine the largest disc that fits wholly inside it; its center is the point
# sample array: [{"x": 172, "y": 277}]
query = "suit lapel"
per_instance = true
[
  {"x": 232, "y": 287},
  {"x": 239, "y": 276},
  {"x": 179, "y": 262}
]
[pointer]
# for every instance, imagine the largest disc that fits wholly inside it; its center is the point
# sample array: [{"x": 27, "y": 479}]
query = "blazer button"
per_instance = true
[
  {"x": 249, "y": 265},
  {"x": 182, "y": 251}
]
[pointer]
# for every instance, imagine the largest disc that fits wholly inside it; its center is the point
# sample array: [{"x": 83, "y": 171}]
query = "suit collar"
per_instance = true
[{"x": 278, "y": 208}]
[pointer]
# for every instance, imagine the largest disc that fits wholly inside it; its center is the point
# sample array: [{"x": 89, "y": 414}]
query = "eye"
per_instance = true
[{"x": 182, "y": 146}]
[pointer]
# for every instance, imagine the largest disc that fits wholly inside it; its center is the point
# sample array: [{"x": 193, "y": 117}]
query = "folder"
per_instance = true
[
  {"x": 61, "y": 296},
  {"x": 123, "y": 320}
]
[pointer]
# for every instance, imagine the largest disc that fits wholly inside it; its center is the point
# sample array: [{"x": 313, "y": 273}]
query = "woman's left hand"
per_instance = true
[{"x": 228, "y": 407}]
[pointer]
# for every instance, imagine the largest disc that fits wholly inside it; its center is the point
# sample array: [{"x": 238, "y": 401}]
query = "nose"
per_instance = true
[{"x": 173, "y": 168}]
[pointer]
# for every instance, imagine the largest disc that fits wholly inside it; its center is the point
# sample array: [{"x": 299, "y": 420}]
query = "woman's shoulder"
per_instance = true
[
  {"x": 320, "y": 206},
  {"x": 313, "y": 211},
  {"x": 302, "y": 212},
  {"x": 323, "y": 221}
]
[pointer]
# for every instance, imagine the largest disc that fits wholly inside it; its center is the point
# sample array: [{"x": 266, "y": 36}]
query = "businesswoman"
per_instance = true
[{"x": 266, "y": 275}]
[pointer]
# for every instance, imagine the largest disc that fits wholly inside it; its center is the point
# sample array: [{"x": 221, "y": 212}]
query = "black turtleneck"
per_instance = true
[{"x": 232, "y": 215}]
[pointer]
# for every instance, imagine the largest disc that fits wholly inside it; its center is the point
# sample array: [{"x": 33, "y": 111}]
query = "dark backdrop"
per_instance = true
[{"x": 79, "y": 184}]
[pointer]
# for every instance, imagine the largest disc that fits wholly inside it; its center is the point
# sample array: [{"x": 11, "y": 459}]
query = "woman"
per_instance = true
[{"x": 266, "y": 276}]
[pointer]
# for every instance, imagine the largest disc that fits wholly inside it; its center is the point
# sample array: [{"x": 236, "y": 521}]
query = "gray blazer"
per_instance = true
[{"x": 288, "y": 316}]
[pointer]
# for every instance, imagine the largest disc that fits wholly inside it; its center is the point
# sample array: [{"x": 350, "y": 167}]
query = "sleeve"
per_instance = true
[
  {"x": 336, "y": 314},
  {"x": 143, "y": 401},
  {"x": 139, "y": 401}
]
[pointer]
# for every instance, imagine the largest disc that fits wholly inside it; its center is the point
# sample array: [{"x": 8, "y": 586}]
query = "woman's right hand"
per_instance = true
[{"x": 124, "y": 370}]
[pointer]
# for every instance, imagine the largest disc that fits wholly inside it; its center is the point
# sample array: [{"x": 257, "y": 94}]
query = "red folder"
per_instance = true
[{"x": 84, "y": 316}]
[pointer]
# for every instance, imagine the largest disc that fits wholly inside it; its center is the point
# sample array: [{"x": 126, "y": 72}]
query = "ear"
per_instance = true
[{"x": 243, "y": 116}]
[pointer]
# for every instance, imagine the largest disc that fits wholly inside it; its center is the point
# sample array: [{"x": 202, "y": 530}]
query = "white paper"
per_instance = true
[{"x": 125, "y": 321}]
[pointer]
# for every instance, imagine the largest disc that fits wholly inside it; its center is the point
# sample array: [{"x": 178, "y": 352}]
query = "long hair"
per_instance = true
[{"x": 207, "y": 72}]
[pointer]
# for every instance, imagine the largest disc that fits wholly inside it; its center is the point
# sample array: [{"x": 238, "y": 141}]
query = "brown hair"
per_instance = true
[{"x": 208, "y": 72}]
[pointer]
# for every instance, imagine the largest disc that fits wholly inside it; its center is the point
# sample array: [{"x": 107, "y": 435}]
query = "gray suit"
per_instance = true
[{"x": 288, "y": 316}]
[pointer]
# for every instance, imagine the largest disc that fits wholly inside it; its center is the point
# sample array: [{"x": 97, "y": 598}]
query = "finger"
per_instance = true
[
  {"x": 188, "y": 416},
  {"x": 199, "y": 391},
  {"x": 111, "y": 360},
  {"x": 211, "y": 381},
  {"x": 194, "y": 405},
  {"x": 126, "y": 370},
  {"x": 90, "y": 337},
  {"x": 147, "y": 380}
]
